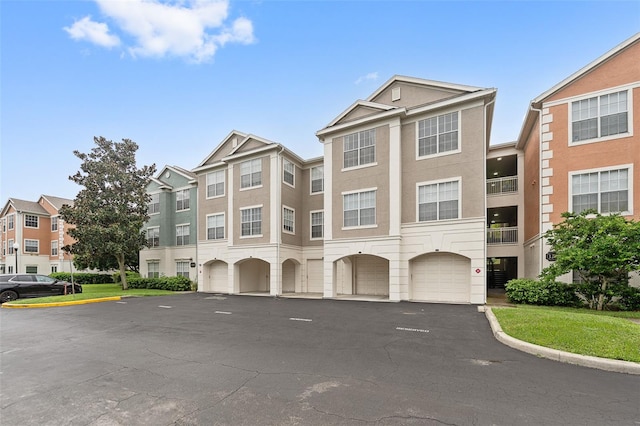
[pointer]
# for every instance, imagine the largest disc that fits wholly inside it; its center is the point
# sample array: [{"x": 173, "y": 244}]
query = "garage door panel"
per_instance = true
[
  {"x": 372, "y": 276},
  {"x": 315, "y": 276},
  {"x": 219, "y": 277},
  {"x": 442, "y": 277}
]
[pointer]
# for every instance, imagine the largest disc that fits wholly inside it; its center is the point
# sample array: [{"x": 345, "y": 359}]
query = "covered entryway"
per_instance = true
[
  {"x": 253, "y": 276},
  {"x": 362, "y": 274},
  {"x": 440, "y": 277},
  {"x": 315, "y": 276},
  {"x": 216, "y": 277},
  {"x": 290, "y": 272}
]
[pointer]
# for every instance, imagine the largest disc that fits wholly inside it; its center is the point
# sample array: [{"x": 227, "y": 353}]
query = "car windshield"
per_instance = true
[{"x": 45, "y": 279}]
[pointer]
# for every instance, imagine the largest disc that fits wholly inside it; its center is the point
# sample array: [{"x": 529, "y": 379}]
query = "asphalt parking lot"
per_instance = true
[{"x": 240, "y": 360}]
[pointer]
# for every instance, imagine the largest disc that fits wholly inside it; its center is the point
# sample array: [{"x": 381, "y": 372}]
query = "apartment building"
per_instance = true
[
  {"x": 581, "y": 148},
  {"x": 33, "y": 235},
  {"x": 171, "y": 229}
]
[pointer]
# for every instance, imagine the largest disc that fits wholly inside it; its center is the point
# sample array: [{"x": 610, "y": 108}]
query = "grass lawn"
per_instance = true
[
  {"x": 94, "y": 291},
  {"x": 597, "y": 333}
]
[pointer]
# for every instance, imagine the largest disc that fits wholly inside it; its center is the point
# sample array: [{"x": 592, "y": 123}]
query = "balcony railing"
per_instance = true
[
  {"x": 505, "y": 185},
  {"x": 502, "y": 235}
]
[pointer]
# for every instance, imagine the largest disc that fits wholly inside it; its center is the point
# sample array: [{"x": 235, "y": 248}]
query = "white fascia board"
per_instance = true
[
  {"x": 356, "y": 104},
  {"x": 181, "y": 173},
  {"x": 453, "y": 101},
  {"x": 364, "y": 120},
  {"x": 197, "y": 170},
  {"x": 246, "y": 139},
  {"x": 231, "y": 134},
  {"x": 423, "y": 82},
  {"x": 232, "y": 157}
]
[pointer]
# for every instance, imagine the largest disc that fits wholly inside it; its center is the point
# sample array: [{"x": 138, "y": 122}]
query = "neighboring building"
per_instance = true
[
  {"x": 582, "y": 148},
  {"x": 171, "y": 229},
  {"x": 40, "y": 234}
]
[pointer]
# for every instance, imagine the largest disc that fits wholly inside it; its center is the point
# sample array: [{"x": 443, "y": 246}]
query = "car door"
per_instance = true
[
  {"x": 27, "y": 285},
  {"x": 49, "y": 286}
]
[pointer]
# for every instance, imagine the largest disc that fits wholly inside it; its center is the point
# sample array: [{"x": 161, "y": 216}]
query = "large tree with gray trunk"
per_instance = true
[{"x": 109, "y": 213}]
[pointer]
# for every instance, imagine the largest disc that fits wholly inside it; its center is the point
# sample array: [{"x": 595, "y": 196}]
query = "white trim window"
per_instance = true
[
  {"x": 215, "y": 184},
  {"x": 251, "y": 222},
  {"x": 359, "y": 148},
  {"x": 606, "y": 191},
  {"x": 288, "y": 220},
  {"x": 182, "y": 268},
  {"x": 600, "y": 116},
  {"x": 288, "y": 172},
  {"x": 251, "y": 173},
  {"x": 10, "y": 245},
  {"x": 4, "y": 224},
  {"x": 359, "y": 209},
  {"x": 10, "y": 220},
  {"x": 438, "y": 201},
  {"x": 54, "y": 248},
  {"x": 154, "y": 204},
  {"x": 4, "y": 248},
  {"x": 31, "y": 246},
  {"x": 153, "y": 236},
  {"x": 317, "y": 225},
  {"x": 153, "y": 269},
  {"x": 182, "y": 199},
  {"x": 30, "y": 221},
  {"x": 317, "y": 179},
  {"x": 215, "y": 226},
  {"x": 440, "y": 134},
  {"x": 54, "y": 223},
  {"x": 182, "y": 235}
]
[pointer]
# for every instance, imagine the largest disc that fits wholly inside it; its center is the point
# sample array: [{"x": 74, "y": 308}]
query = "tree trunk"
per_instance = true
[
  {"x": 603, "y": 288},
  {"x": 123, "y": 274}
]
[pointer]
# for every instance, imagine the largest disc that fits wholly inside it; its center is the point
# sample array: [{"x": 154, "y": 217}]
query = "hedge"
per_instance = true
[
  {"x": 162, "y": 283},
  {"x": 83, "y": 277},
  {"x": 533, "y": 292}
]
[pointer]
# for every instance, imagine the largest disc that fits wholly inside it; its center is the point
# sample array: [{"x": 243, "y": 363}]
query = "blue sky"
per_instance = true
[{"x": 176, "y": 77}]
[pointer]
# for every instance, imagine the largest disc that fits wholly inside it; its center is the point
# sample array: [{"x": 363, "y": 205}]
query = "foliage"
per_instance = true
[
  {"x": 108, "y": 214},
  {"x": 603, "y": 248},
  {"x": 130, "y": 274},
  {"x": 547, "y": 293},
  {"x": 163, "y": 283},
  {"x": 629, "y": 299},
  {"x": 83, "y": 277}
]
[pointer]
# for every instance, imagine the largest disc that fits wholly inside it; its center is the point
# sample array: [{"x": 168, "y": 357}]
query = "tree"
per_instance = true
[
  {"x": 604, "y": 249},
  {"x": 110, "y": 211}
]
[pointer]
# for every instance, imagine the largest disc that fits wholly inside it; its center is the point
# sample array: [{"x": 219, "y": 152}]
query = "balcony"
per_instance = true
[
  {"x": 504, "y": 185},
  {"x": 507, "y": 235}
]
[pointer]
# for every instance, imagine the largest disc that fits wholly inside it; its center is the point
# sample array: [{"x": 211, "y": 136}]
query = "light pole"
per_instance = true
[{"x": 16, "y": 246}]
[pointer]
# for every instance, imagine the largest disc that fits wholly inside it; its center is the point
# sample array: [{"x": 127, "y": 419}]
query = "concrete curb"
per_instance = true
[
  {"x": 617, "y": 366},
  {"x": 55, "y": 304}
]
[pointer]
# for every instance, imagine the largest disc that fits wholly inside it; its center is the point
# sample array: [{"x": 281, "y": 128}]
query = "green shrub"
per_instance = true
[
  {"x": 630, "y": 299},
  {"x": 83, "y": 277},
  {"x": 129, "y": 274},
  {"x": 162, "y": 283},
  {"x": 545, "y": 293}
]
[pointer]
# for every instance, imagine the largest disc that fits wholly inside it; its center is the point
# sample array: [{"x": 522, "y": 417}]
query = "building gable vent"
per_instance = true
[{"x": 395, "y": 94}]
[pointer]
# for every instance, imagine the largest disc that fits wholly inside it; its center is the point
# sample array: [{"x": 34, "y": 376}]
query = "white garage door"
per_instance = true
[
  {"x": 288, "y": 277},
  {"x": 315, "y": 276},
  {"x": 372, "y": 275},
  {"x": 218, "y": 277},
  {"x": 441, "y": 277}
]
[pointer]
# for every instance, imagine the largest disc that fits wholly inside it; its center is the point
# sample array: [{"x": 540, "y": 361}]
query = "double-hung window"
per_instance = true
[
  {"x": 437, "y": 135},
  {"x": 10, "y": 245},
  {"x": 54, "y": 223},
  {"x": 153, "y": 269},
  {"x": 182, "y": 235},
  {"x": 359, "y": 209},
  {"x": 54, "y": 248},
  {"x": 606, "y": 191},
  {"x": 288, "y": 220},
  {"x": 31, "y": 246},
  {"x": 289, "y": 172},
  {"x": 359, "y": 148},
  {"x": 439, "y": 201},
  {"x": 182, "y": 199},
  {"x": 317, "y": 179},
  {"x": 154, "y": 204},
  {"x": 599, "y": 116},
  {"x": 251, "y": 173},
  {"x": 182, "y": 268},
  {"x": 251, "y": 221},
  {"x": 10, "y": 220},
  {"x": 215, "y": 184},
  {"x": 317, "y": 225},
  {"x": 30, "y": 221},
  {"x": 153, "y": 236},
  {"x": 215, "y": 226}
]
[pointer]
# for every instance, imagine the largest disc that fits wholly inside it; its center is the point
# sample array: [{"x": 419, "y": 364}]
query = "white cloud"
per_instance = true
[
  {"x": 372, "y": 76},
  {"x": 192, "y": 29},
  {"x": 95, "y": 32}
]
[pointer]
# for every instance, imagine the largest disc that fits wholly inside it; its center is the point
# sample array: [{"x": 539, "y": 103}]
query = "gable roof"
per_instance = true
[
  {"x": 24, "y": 206},
  {"x": 57, "y": 202},
  {"x": 220, "y": 145},
  {"x": 357, "y": 104},
  {"x": 423, "y": 82}
]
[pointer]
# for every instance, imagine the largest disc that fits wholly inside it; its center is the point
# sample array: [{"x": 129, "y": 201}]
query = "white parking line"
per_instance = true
[
  {"x": 301, "y": 319},
  {"x": 164, "y": 306},
  {"x": 122, "y": 303},
  {"x": 418, "y": 330},
  {"x": 223, "y": 312}
]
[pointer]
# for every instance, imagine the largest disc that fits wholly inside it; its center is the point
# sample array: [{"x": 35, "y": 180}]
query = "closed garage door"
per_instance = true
[
  {"x": 441, "y": 277},
  {"x": 218, "y": 277},
  {"x": 315, "y": 276},
  {"x": 372, "y": 275}
]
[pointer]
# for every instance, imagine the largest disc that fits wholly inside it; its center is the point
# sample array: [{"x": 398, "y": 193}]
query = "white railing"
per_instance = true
[
  {"x": 502, "y": 235},
  {"x": 503, "y": 185}
]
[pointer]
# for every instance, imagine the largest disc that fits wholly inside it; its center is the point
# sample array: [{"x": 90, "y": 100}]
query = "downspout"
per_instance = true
[
  {"x": 541, "y": 257},
  {"x": 484, "y": 225},
  {"x": 279, "y": 219}
]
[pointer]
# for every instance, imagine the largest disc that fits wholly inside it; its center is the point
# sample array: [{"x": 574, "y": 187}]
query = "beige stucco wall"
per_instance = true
[
  {"x": 292, "y": 198},
  {"x": 310, "y": 202},
  {"x": 252, "y": 197},
  {"x": 413, "y": 95},
  {"x": 211, "y": 205}
]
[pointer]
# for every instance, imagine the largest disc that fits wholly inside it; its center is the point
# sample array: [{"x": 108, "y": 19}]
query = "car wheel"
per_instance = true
[{"x": 8, "y": 295}]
